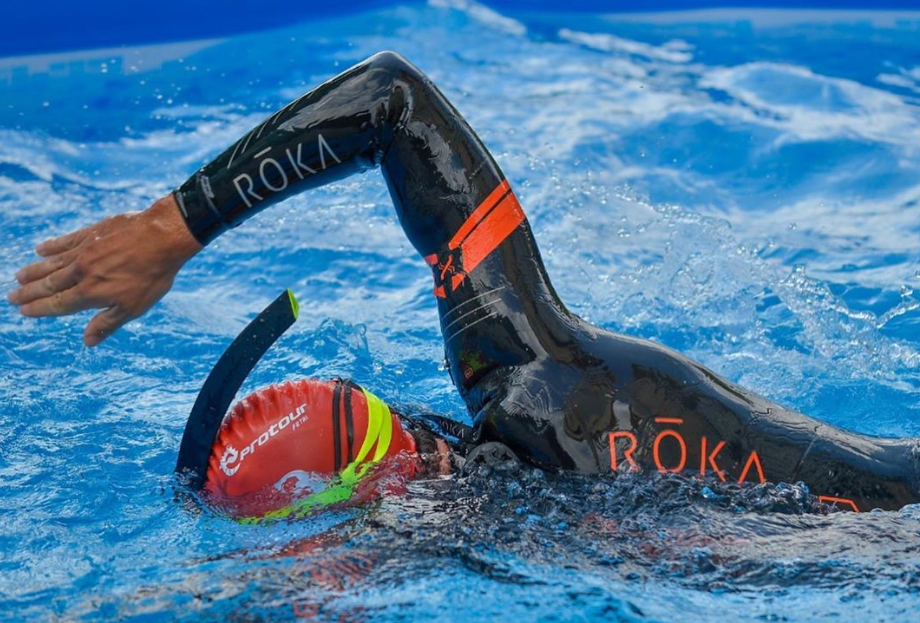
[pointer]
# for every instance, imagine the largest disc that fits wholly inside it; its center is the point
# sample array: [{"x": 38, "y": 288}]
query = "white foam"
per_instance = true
[
  {"x": 133, "y": 60},
  {"x": 482, "y": 14},
  {"x": 675, "y": 51},
  {"x": 823, "y": 107},
  {"x": 905, "y": 79},
  {"x": 771, "y": 18}
]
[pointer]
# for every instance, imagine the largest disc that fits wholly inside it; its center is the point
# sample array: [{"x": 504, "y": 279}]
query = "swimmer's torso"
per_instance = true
[
  {"x": 559, "y": 392},
  {"x": 630, "y": 405}
]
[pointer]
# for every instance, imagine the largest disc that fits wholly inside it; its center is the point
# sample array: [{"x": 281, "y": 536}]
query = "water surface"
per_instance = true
[{"x": 743, "y": 188}]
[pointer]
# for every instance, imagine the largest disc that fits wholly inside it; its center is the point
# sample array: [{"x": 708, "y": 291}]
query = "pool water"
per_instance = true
[{"x": 743, "y": 187}]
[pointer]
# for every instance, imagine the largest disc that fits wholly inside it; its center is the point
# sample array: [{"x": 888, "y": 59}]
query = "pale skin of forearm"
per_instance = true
[{"x": 122, "y": 265}]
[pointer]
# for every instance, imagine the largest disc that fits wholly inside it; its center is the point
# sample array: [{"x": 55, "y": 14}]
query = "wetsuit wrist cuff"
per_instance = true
[{"x": 201, "y": 216}]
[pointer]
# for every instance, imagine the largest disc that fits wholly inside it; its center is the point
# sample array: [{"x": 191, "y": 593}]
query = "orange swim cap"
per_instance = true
[{"x": 300, "y": 441}]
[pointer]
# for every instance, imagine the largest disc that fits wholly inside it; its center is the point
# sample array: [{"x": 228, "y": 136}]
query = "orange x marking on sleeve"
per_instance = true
[{"x": 487, "y": 227}]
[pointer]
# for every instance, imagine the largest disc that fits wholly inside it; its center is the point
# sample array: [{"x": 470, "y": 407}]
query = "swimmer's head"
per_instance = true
[
  {"x": 435, "y": 457},
  {"x": 289, "y": 449}
]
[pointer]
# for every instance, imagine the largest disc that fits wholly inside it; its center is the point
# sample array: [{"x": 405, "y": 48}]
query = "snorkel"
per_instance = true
[{"x": 262, "y": 451}]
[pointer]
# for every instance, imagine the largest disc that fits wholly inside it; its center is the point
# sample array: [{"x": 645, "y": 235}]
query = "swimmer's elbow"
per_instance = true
[
  {"x": 398, "y": 68},
  {"x": 392, "y": 62}
]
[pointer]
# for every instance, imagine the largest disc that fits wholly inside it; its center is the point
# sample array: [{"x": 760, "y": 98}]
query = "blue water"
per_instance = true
[{"x": 744, "y": 188}]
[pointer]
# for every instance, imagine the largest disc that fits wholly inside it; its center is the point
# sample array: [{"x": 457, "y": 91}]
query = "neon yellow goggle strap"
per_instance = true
[{"x": 379, "y": 432}]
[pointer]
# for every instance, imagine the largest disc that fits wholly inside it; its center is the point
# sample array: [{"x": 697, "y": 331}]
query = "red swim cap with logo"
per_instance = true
[{"x": 286, "y": 441}]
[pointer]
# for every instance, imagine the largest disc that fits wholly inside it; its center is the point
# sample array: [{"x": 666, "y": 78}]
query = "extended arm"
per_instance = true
[
  {"x": 344, "y": 125},
  {"x": 496, "y": 305},
  {"x": 126, "y": 263}
]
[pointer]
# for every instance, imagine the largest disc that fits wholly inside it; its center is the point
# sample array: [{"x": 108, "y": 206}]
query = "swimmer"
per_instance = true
[
  {"x": 560, "y": 393},
  {"x": 290, "y": 449}
]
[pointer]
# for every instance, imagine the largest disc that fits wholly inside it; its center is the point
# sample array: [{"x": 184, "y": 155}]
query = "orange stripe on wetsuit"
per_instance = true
[{"x": 487, "y": 227}]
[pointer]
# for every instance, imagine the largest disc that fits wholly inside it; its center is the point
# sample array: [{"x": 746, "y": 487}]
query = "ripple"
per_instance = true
[{"x": 727, "y": 190}]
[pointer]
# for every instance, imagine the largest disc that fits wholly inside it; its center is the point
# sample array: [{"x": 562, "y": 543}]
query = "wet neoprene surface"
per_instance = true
[{"x": 558, "y": 391}]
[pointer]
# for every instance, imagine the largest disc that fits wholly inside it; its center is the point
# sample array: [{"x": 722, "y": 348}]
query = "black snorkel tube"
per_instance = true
[{"x": 224, "y": 382}]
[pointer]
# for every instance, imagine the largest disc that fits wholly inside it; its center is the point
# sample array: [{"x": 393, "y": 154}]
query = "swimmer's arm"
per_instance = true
[
  {"x": 339, "y": 128},
  {"x": 126, "y": 263},
  {"x": 123, "y": 265}
]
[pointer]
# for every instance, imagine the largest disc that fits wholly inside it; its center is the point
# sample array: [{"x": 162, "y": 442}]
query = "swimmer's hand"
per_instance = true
[{"x": 122, "y": 265}]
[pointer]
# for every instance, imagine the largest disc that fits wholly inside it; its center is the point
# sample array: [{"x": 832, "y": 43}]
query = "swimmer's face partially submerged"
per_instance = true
[
  {"x": 435, "y": 458},
  {"x": 290, "y": 449}
]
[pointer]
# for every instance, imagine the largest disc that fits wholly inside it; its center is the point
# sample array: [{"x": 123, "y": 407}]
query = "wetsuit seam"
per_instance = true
[
  {"x": 181, "y": 203},
  {"x": 801, "y": 461},
  {"x": 210, "y": 204}
]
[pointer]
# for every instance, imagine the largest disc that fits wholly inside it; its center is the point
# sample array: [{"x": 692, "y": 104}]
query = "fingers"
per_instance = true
[
  {"x": 57, "y": 304},
  {"x": 54, "y": 274},
  {"x": 61, "y": 243},
  {"x": 104, "y": 324},
  {"x": 43, "y": 268},
  {"x": 47, "y": 286}
]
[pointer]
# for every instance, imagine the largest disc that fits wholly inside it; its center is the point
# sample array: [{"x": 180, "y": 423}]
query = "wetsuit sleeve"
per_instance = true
[
  {"x": 452, "y": 200},
  {"x": 340, "y": 127}
]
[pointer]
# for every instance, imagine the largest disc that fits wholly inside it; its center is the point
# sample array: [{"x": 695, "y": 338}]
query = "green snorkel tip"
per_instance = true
[{"x": 295, "y": 306}]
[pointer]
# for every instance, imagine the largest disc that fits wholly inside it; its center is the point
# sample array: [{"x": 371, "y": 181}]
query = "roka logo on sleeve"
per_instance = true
[{"x": 275, "y": 176}]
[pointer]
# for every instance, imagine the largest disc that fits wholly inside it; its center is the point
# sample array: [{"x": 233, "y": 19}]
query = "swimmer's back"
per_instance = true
[
  {"x": 616, "y": 403},
  {"x": 559, "y": 392}
]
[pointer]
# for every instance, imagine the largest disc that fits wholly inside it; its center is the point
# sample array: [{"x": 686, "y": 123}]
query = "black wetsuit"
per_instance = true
[{"x": 558, "y": 391}]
